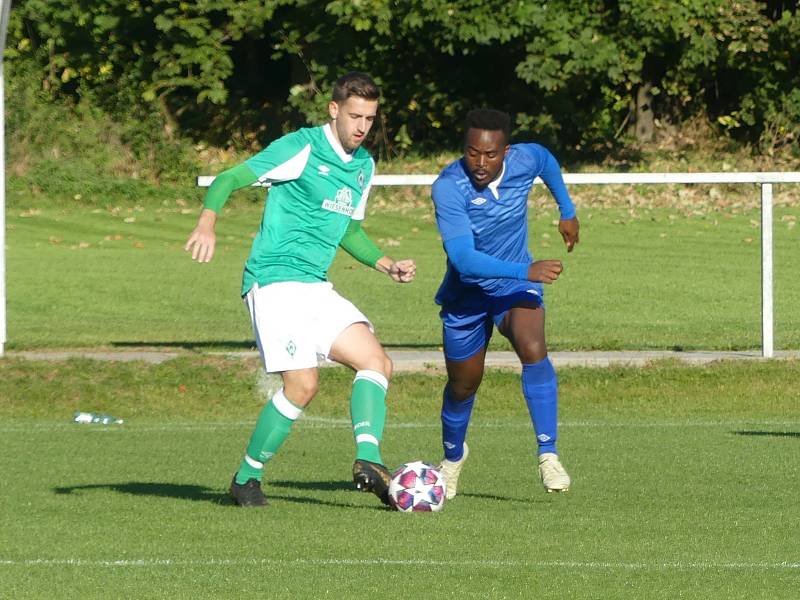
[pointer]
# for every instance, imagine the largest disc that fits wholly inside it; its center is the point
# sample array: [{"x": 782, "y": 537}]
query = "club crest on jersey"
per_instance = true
[
  {"x": 478, "y": 201},
  {"x": 360, "y": 179},
  {"x": 342, "y": 204}
]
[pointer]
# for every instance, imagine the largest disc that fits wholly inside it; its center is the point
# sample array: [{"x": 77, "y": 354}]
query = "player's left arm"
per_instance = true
[
  {"x": 550, "y": 172},
  {"x": 401, "y": 271},
  {"x": 357, "y": 244}
]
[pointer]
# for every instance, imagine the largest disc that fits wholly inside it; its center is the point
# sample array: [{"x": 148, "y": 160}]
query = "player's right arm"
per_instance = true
[
  {"x": 283, "y": 160},
  {"x": 459, "y": 243},
  {"x": 203, "y": 239}
]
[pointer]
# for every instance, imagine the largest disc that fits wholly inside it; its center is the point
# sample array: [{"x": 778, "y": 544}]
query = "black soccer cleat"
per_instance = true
[
  {"x": 248, "y": 494},
  {"x": 372, "y": 477}
]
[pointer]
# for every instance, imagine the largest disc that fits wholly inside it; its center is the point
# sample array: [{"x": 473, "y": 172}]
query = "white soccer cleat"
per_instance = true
[
  {"x": 450, "y": 470},
  {"x": 554, "y": 477}
]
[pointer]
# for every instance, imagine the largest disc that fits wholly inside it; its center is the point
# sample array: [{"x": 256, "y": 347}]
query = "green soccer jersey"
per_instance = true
[{"x": 316, "y": 188}]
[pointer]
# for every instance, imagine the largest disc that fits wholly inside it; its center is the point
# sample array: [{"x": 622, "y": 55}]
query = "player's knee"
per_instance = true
[
  {"x": 459, "y": 389},
  {"x": 388, "y": 366},
  {"x": 379, "y": 362},
  {"x": 302, "y": 392},
  {"x": 532, "y": 352}
]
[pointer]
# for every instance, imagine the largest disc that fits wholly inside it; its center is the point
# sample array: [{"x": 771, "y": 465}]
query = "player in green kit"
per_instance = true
[{"x": 319, "y": 180}]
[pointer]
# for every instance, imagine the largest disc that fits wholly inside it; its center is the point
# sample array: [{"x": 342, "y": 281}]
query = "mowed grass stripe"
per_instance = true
[
  {"x": 376, "y": 562},
  {"x": 324, "y": 423},
  {"x": 625, "y": 286}
]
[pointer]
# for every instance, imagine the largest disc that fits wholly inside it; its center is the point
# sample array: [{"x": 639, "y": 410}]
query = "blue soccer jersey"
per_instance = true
[{"x": 496, "y": 218}]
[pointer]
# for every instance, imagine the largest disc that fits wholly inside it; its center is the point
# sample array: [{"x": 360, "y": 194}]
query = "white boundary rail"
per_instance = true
[{"x": 764, "y": 179}]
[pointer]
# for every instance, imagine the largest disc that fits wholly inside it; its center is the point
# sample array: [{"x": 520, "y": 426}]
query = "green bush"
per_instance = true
[{"x": 67, "y": 148}]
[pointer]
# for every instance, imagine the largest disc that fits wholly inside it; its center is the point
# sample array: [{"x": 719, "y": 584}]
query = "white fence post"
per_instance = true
[
  {"x": 766, "y": 271},
  {"x": 4, "y": 10}
]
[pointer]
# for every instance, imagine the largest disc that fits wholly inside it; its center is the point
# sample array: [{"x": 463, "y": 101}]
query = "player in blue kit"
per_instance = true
[{"x": 481, "y": 203}]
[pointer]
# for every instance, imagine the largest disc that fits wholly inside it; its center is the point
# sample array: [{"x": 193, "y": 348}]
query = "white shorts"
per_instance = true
[{"x": 295, "y": 323}]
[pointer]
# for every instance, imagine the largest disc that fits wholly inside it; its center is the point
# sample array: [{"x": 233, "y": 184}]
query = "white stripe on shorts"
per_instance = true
[
  {"x": 373, "y": 376},
  {"x": 285, "y": 407},
  {"x": 367, "y": 438}
]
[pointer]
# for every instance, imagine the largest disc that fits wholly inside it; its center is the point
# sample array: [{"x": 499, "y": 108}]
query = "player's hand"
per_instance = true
[
  {"x": 403, "y": 271},
  {"x": 203, "y": 239},
  {"x": 569, "y": 230},
  {"x": 545, "y": 271}
]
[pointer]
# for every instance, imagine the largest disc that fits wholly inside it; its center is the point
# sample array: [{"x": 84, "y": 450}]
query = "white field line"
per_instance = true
[
  {"x": 495, "y": 564},
  {"x": 312, "y": 422}
]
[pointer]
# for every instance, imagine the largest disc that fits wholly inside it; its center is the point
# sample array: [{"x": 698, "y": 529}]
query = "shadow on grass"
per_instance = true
[
  {"x": 794, "y": 434},
  {"x": 203, "y": 494},
  {"x": 325, "y": 486},
  {"x": 187, "y": 345},
  {"x": 416, "y": 346},
  {"x": 531, "y": 500},
  {"x": 162, "y": 490},
  {"x": 316, "y": 501},
  {"x": 247, "y": 345}
]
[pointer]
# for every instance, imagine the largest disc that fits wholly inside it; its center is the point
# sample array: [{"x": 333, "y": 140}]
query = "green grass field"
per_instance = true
[
  {"x": 685, "y": 478},
  {"x": 685, "y": 486},
  {"x": 660, "y": 278}
]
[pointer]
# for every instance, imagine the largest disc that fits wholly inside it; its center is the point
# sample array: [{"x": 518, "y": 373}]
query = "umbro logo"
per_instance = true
[
  {"x": 323, "y": 170},
  {"x": 478, "y": 201}
]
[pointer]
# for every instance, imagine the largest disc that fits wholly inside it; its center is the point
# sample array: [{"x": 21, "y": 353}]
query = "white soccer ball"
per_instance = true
[{"x": 417, "y": 487}]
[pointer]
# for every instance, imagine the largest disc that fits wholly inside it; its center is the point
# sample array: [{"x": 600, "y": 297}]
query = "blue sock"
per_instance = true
[
  {"x": 540, "y": 388},
  {"x": 455, "y": 419}
]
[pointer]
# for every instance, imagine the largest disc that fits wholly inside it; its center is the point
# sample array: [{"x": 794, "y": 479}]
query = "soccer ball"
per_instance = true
[{"x": 417, "y": 487}]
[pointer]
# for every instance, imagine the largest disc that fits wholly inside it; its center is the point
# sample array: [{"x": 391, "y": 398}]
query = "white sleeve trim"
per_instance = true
[{"x": 291, "y": 169}]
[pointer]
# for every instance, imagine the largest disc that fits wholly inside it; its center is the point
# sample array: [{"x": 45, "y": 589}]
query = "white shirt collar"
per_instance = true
[
  {"x": 493, "y": 185},
  {"x": 337, "y": 147}
]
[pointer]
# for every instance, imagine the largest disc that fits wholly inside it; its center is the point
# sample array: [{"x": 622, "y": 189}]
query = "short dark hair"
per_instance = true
[
  {"x": 355, "y": 83},
  {"x": 488, "y": 119}
]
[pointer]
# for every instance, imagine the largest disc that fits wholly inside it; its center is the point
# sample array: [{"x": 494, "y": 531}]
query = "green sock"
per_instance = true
[
  {"x": 368, "y": 413},
  {"x": 272, "y": 428}
]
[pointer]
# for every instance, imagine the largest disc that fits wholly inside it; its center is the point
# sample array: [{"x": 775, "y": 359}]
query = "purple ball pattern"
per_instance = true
[{"x": 417, "y": 487}]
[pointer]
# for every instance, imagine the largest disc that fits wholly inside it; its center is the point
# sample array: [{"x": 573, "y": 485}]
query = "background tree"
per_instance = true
[{"x": 585, "y": 75}]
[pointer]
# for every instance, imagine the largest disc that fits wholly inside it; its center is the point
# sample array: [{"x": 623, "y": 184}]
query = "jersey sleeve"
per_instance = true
[
  {"x": 283, "y": 160},
  {"x": 468, "y": 261},
  {"x": 226, "y": 183},
  {"x": 550, "y": 171},
  {"x": 361, "y": 210},
  {"x": 450, "y": 210},
  {"x": 357, "y": 243}
]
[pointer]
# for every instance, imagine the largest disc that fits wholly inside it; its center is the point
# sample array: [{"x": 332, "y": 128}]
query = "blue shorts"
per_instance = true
[{"x": 467, "y": 328}]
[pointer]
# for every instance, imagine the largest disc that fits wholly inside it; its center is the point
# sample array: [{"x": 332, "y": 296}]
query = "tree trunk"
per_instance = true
[
  {"x": 170, "y": 123},
  {"x": 643, "y": 125}
]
